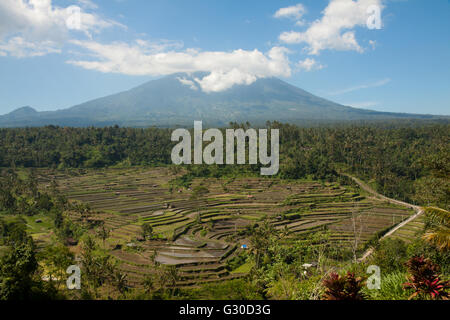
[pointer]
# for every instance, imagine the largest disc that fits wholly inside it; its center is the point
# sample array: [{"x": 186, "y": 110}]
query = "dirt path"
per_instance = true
[{"x": 368, "y": 189}]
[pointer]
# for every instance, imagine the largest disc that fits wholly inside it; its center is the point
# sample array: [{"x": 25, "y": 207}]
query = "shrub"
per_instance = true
[
  {"x": 199, "y": 191},
  {"x": 146, "y": 231},
  {"x": 236, "y": 261},
  {"x": 391, "y": 255},
  {"x": 237, "y": 289},
  {"x": 346, "y": 287},
  {"x": 425, "y": 279},
  {"x": 420, "y": 247},
  {"x": 284, "y": 288}
]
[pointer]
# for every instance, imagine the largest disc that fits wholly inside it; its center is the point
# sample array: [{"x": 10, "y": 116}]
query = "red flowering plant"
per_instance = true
[
  {"x": 425, "y": 279},
  {"x": 346, "y": 287}
]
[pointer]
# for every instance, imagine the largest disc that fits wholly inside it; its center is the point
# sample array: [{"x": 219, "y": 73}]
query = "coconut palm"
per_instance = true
[
  {"x": 120, "y": 281},
  {"x": 437, "y": 227}
]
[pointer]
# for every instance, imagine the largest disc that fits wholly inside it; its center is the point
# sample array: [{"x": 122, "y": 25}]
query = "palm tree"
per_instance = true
[
  {"x": 149, "y": 283},
  {"x": 103, "y": 233},
  {"x": 120, "y": 280},
  {"x": 172, "y": 276},
  {"x": 146, "y": 231},
  {"x": 437, "y": 228}
]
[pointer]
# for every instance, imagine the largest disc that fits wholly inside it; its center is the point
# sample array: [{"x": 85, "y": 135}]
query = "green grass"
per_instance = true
[
  {"x": 245, "y": 268},
  {"x": 167, "y": 231},
  {"x": 32, "y": 226},
  {"x": 391, "y": 288}
]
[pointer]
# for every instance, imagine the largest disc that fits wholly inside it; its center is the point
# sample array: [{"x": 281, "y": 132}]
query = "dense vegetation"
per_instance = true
[
  {"x": 410, "y": 163},
  {"x": 280, "y": 266},
  {"x": 407, "y": 162}
]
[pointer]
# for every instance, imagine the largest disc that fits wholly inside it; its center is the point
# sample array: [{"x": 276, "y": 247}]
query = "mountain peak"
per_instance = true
[
  {"x": 178, "y": 100},
  {"x": 27, "y": 110}
]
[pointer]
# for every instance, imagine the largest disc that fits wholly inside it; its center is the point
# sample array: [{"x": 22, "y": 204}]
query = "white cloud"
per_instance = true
[
  {"x": 37, "y": 26},
  {"x": 191, "y": 84},
  {"x": 334, "y": 31},
  {"x": 20, "y": 48},
  {"x": 362, "y": 104},
  {"x": 295, "y": 12},
  {"x": 226, "y": 68},
  {"x": 218, "y": 81},
  {"x": 309, "y": 64},
  {"x": 291, "y": 37},
  {"x": 30, "y": 28},
  {"x": 375, "y": 84}
]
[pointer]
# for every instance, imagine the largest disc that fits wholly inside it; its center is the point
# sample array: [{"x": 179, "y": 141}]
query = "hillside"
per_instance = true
[{"x": 173, "y": 100}]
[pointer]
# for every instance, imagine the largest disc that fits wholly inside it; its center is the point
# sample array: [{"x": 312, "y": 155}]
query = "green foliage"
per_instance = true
[
  {"x": 279, "y": 270},
  {"x": 17, "y": 267},
  {"x": 309, "y": 288},
  {"x": 262, "y": 241},
  {"x": 19, "y": 278},
  {"x": 238, "y": 289},
  {"x": 425, "y": 280},
  {"x": 391, "y": 287},
  {"x": 100, "y": 269},
  {"x": 423, "y": 248},
  {"x": 199, "y": 191},
  {"x": 284, "y": 288},
  {"x": 56, "y": 258},
  {"x": 434, "y": 187},
  {"x": 437, "y": 227},
  {"x": 160, "y": 284},
  {"x": 103, "y": 233},
  {"x": 237, "y": 261},
  {"x": 83, "y": 147},
  {"x": 69, "y": 229},
  {"x": 407, "y": 162},
  {"x": 21, "y": 196},
  {"x": 13, "y": 231},
  {"x": 390, "y": 255},
  {"x": 146, "y": 231}
]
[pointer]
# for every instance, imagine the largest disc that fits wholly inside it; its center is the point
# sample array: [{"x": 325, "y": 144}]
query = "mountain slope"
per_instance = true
[{"x": 169, "y": 102}]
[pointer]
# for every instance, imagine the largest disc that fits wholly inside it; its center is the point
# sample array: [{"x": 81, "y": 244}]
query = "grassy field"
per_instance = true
[{"x": 199, "y": 234}]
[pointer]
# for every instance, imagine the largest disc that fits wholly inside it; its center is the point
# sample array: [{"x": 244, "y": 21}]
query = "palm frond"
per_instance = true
[
  {"x": 437, "y": 227},
  {"x": 437, "y": 216}
]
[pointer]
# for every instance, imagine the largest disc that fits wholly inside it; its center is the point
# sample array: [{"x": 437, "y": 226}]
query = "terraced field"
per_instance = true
[
  {"x": 411, "y": 230},
  {"x": 200, "y": 234}
]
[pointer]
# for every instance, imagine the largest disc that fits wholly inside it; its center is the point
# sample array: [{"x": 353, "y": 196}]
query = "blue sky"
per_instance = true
[{"x": 53, "y": 56}]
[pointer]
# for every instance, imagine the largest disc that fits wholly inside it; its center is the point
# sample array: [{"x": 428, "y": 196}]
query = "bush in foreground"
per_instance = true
[{"x": 348, "y": 287}]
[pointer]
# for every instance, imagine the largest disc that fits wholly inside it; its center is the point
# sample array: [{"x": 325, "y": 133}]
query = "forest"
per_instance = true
[{"x": 407, "y": 161}]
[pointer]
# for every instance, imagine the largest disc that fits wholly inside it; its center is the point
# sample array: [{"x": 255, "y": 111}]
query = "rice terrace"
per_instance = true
[
  {"x": 212, "y": 159},
  {"x": 113, "y": 209},
  {"x": 200, "y": 233}
]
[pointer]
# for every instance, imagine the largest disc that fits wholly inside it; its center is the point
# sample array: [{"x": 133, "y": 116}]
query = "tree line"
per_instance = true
[{"x": 407, "y": 162}]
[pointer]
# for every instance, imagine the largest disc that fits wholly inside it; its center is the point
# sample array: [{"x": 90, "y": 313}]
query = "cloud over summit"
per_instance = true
[
  {"x": 32, "y": 28},
  {"x": 226, "y": 68}
]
